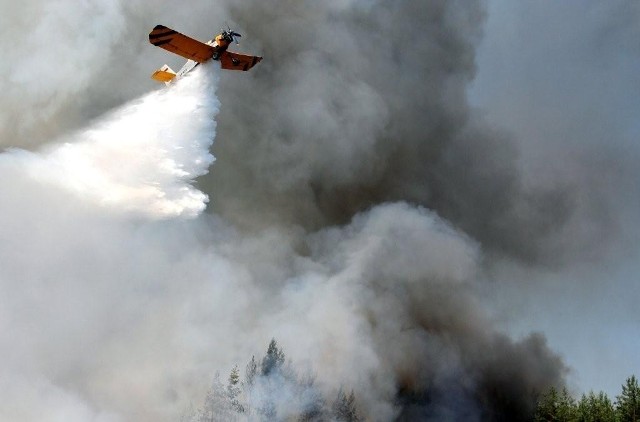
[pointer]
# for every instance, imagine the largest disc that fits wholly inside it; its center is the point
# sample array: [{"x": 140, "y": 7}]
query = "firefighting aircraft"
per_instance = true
[{"x": 197, "y": 52}]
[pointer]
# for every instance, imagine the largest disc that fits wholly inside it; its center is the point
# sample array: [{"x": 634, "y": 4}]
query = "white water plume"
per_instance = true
[{"x": 141, "y": 158}]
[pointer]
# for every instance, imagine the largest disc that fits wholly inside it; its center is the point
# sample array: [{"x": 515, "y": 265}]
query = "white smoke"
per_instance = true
[
  {"x": 52, "y": 403},
  {"x": 93, "y": 267},
  {"x": 50, "y": 52},
  {"x": 143, "y": 156}
]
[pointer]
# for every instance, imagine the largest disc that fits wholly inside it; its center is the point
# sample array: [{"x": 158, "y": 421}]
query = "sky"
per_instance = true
[
  {"x": 563, "y": 79},
  {"x": 431, "y": 203}
]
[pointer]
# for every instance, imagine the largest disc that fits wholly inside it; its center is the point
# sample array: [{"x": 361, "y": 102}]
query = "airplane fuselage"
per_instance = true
[{"x": 219, "y": 43}]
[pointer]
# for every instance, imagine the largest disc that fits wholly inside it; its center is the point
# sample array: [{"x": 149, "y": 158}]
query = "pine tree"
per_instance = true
[
  {"x": 271, "y": 366},
  {"x": 234, "y": 389},
  {"x": 568, "y": 410},
  {"x": 556, "y": 406},
  {"x": 628, "y": 403},
  {"x": 216, "y": 407},
  {"x": 547, "y": 406},
  {"x": 273, "y": 360},
  {"x": 314, "y": 406},
  {"x": 344, "y": 407},
  {"x": 595, "y": 408},
  {"x": 251, "y": 372},
  {"x": 270, "y": 392}
]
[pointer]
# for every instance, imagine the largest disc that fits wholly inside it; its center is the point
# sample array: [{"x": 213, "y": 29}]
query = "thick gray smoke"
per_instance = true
[
  {"x": 366, "y": 104},
  {"x": 356, "y": 202}
]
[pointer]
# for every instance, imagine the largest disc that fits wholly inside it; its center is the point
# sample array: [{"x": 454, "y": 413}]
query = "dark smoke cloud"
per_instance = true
[
  {"x": 365, "y": 102},
  {"x": 416, "y": 276}
]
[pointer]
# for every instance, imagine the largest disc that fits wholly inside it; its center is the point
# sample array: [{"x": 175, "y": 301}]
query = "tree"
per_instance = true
[
  {"x": 313, "y": 404},
  {"x": 250, "y": 372},
  {"x": 272, "y": 391},
  {"x": 595, "y": 408},
  {"x": 270, "y": 378},
  {"x": 628, "y": 403},
  {"x": 217, "y": 407},
  {"x": 344, "y": 407},
  {"x": 547, "y": 406},
  {"x": 273, "y": 360},
  {"x": 556, "y": 406},
  {"x": 234, "y": 389}
]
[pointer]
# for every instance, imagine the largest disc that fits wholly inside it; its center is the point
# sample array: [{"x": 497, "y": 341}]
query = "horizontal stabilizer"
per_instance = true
[{"x": 164, "y": 74}]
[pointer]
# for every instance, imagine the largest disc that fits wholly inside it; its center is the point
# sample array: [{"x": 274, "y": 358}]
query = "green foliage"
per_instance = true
[
  {"x": 251, "y": 371},
  {"x": 559, "y": 406},
  {"x": 216, "y": 405},
  {"x": 234, "y": 389},
  {"x": 344, "y": 407},
  {"x": 273, "y": 360},
  {"x": 556, "y": 406},
  {"x": 596, "y": 408},
  {"x": 272, "y": 392},
  {"x": 315, "y": 406},
  {"x": 547, "y": 406},
  {"x": 628, "y": 403}
]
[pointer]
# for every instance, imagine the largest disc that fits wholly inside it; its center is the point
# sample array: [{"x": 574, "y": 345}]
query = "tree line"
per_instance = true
[
  {"x": 559, "y": 406},
  {"x": 271, "y": 390}
]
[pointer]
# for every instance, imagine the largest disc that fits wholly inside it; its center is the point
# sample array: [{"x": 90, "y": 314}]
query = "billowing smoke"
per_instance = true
[
  {"x": 367, "y": 104},
  {"x": 356, "y": 203}
]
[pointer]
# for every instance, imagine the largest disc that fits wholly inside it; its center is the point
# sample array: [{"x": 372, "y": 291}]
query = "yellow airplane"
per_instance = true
[{"x": 197, "y": 52}]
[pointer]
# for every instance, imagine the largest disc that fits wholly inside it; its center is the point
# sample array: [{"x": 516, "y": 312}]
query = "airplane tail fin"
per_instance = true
[{"x": 164, "y": 74}]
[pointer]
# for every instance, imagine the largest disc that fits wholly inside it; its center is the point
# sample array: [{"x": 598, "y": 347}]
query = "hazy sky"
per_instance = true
[{"x": 564, "y": 79}]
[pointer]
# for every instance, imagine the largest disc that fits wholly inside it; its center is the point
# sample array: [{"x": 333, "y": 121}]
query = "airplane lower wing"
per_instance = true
[
  {"x": 235, "y": 61},
  {"x": 180, "y": 44}
]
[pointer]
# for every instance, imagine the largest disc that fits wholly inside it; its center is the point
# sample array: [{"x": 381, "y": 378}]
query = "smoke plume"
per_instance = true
[{"x": 356, "y": 204}]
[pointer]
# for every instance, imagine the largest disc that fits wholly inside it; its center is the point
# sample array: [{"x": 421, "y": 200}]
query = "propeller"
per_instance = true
[
  {"x": 235, "y": 35},
  {"x": 232, "y": 35}
]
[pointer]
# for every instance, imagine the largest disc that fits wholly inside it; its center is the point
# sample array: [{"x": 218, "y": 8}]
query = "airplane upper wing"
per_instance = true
[
  {"x": 235, "y": 61},
  {"x": 180, "y": 44}
]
